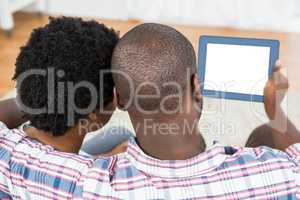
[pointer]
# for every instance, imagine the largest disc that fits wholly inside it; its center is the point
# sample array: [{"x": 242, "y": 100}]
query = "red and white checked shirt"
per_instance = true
[{"x": 30, "y": 170}]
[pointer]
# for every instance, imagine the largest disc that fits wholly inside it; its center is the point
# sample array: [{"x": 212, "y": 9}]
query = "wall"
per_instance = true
[
  {"x": 248, "y": 14},
  {"x": 108, "y": 9}
]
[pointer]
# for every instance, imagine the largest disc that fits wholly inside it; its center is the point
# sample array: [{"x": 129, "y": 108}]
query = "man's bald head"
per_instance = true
[{"x": 156, "y": 54}]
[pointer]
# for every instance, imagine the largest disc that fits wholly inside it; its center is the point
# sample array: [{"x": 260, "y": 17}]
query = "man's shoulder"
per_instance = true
[
  {"x": 10, "y": 135},
  {"x": 28, "y": 160},
  {"x": 17, "y": 147},
  {"x": 261, "y": 155}
]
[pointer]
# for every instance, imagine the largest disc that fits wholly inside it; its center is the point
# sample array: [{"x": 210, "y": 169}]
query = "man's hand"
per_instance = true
[
  {"x": 10, "y": 113},
  {"x": 284, "y": 133},
  {"x": 117, "y": 150},
  {"x": 275, "y": 91}
]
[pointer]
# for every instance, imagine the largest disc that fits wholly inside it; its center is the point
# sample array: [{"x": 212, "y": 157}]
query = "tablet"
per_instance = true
[{"x": 236, "y": 68}]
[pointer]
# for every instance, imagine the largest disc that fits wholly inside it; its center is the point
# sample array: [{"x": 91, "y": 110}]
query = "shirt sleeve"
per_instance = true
[
  {"x": 5, "y": 155},
  {"x": 3, "y": 130},
  {"x": 294, "y": 153},
  {"x": 4, "y": 196}
]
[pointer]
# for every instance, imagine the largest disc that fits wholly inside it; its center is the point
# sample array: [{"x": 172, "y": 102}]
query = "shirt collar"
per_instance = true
[{"x": 202, "y": 163}]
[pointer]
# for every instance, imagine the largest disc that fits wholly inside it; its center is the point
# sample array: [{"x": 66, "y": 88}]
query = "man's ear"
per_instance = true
[
  {"x": 196, "y": 88},
  {"x": 117, "y": 100}
]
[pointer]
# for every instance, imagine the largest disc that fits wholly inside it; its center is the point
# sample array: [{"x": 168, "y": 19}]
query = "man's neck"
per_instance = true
[
  {"x": 70, "y": 142},
  {"x": 170, "y": 139}
]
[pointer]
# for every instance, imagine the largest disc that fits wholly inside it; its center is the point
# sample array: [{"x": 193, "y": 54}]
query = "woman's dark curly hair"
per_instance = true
[{"x": 80, "y": 49}]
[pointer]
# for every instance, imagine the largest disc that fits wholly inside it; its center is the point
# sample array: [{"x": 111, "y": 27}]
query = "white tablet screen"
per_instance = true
[{"x": 236, "y": 68}]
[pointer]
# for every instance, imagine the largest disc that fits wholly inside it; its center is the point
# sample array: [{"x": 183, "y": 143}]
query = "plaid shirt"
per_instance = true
[{"x": 30, "y": 170}]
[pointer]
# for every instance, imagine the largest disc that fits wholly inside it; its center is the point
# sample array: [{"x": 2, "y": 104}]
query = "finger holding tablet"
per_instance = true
[{"x": 275, "y": 90}]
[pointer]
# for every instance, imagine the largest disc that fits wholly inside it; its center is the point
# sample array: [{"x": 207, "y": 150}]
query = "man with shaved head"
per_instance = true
[
  {"x": 155, "y": 74},
  {"x": 156, "y": 81}
]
